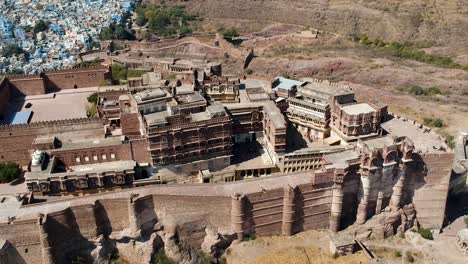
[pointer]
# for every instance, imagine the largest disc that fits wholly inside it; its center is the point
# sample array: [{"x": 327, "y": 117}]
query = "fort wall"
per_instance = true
[
  {"x": 430, "y": 182},
  {"x": 276, "y": 205},
  {"x": 75, "y": 78},
  {"x": 24, "y": 236},
  {"x": 51, "y": 81},
  {"x": 16, "y": 140},
  {"x": 22, "y": 85},
  {"x": 4, "y": 94}
]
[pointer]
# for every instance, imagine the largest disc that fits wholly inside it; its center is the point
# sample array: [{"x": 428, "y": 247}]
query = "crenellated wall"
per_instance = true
[
  {"x": 23, "y": 85},
  {"x": 51, "y": 81},
  {"x": 16, "y": 140},
  {"x": 276, "y": 205},
  {"x": 75, "y": 78},
  {"x": 429, "y": 188},
  {"x": 25, "y": 237}
]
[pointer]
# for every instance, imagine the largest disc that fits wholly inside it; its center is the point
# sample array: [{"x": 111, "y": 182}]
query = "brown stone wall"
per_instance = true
[
  {"x": 139, "y": 150},
  {"x": 64, "y": 234},
  {"x": 130, "y": 125},
  {"x": 75, "y": 78},
  {"x": 193, "y": 214},
  {"x": 430, "y": 188},
  {"x": 265, "y": 212},
  {"x": 68, "y": 157},
  {"x": 313, "y": 205},
  {"x": 24, "y": 236},
  {"x": 85, "y": 220},
  {"x": 113, "y": 214},
  {"x": 145, "y": 213},
  {"x": 27, "y": 85},
  {"x": 16, "y": 140},
  {"x": 4, "y": 94}
]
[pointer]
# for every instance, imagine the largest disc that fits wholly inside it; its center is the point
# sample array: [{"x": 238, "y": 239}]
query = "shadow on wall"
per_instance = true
[
  {"x": 298, "y": 211},
  {"x": 295, "y": 140},
  {"x": 67, "y": 244},
  {"x": 10, "y": 255},
  {"x": 103, "y": 223},
  {"x": 146, "y": 215}
]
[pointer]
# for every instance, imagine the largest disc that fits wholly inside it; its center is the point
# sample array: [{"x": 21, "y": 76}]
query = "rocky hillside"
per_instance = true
[{"x": 430, "y": 22}]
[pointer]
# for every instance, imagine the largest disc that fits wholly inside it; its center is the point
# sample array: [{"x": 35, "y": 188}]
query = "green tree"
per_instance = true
[
  {"x": 425, "y": 233},
  {"x": 9, "y": 172},
  {"x": 11, "y": 50},
  {"x": 121, "y": 33},
  {"x": 119, "y": 72},
  {"x": 141, "y": 19},
  {"x": 93, "y": 98},
  {"x": 107, "y": 33},
  {"x": 161, "y": 258},
  {"x": 231, "y": 33},
  {"x": 41, "y": 26}
]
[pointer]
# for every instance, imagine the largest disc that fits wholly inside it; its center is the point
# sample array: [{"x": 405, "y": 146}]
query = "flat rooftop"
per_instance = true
[
  {"x": 66, "y": 104},
  {"x": 80, "y": 170},
  {"x": 156, "y": 118},
  {"x": 17, "y": 118},
  {"x": 104, "y": 142},
  {"x": 314, "y": 86},
  {"x": 380, "y": 142},
  {"x": 424, "y": 139},
  {"x": 341, "y": 159},
  {"x": 287, "y": 84},
  {"x": 356, "y": 109}
]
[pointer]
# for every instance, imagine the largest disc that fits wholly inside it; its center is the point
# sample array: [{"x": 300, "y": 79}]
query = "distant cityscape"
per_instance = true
[{"x": 37, "y": 35}]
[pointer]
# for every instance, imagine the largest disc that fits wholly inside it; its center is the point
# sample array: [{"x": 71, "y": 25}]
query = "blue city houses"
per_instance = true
[{"x": 73, "y": 27}]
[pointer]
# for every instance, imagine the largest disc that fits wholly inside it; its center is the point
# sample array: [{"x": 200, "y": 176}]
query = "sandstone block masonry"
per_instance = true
[
  {"x": 51, "y": 81},
  {"x": 277, "y": 205},
  {"x": 17, "y": 140}
]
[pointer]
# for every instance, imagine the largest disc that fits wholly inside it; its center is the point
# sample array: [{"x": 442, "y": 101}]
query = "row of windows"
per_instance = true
[
  {"x": 86, "y": 158},
  {"x": 300, "y": 162},
  {"x": 307, "y": 107},
  {"x": 310, "y": 120},
  {"x": 303, "y": 168}
]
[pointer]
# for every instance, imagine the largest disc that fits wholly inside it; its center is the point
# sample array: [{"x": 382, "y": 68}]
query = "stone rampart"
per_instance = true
[
  {"x": 51, "y": 81},
  {"x": 16, "y": 140},
  {"x": 75, "y": 78},
  {"x": 5, "y": 94},
  {"x": 22, "y": 85},
  {"x": 430, "y": 182},
  {"x": 24, "y": 237}
]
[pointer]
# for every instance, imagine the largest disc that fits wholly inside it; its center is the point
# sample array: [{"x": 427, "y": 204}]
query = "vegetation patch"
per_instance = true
[
  {"x": 409, "y": 257},
  {"x": 407, "y": 50},
  {"x": 91, "y": 107},
  {"x": 425, "y": 233},
  {"x": 420, "y": 91},
  {"x": 433, "y": 122},
  {"x": 164, "y": 21},
  {"x": 9, "y": 172},
  {"x": 86, "y": 64},
  {"x": 249, "y": 237},
  {"x": 160, "y": 258}
]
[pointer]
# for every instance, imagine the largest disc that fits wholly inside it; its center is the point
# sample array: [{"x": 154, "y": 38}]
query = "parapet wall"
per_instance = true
[
  {"x": 51, "y": 81},
  {"x": 16, "y": 140},
  {"x": 5, "y": 94},
  {"x": 22, "y": 85},
  {"x": 431, "y": 186},
  {"x": 75, "y": 78}
]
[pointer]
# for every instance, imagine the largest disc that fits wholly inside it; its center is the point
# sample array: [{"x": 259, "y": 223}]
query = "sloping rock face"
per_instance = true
[
  {"x": 438, "y": 21},
  {"x": 136, "y": 249},
  {"x": 386, "y": 224}
]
